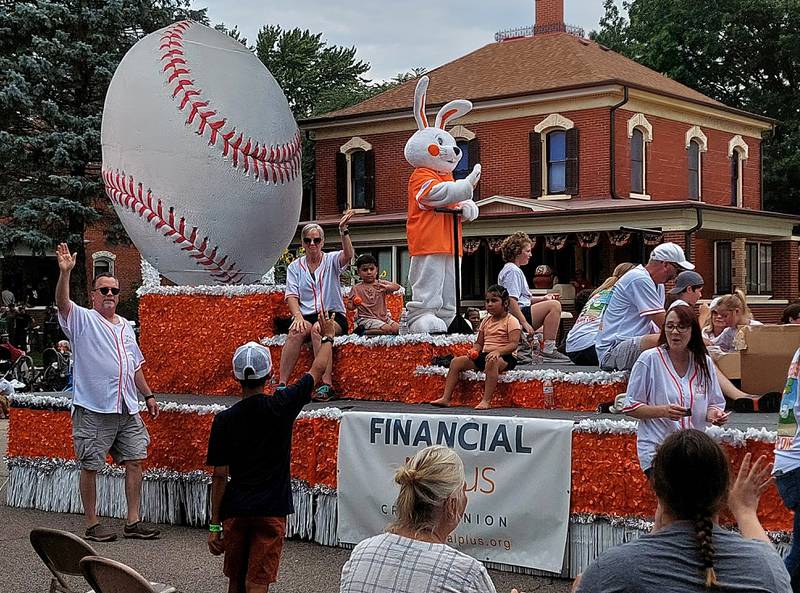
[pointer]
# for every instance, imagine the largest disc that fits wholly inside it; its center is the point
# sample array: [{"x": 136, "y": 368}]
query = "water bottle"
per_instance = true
[
  {"x": 549, "y": 394},
  {"x": 403, "y": 323}
]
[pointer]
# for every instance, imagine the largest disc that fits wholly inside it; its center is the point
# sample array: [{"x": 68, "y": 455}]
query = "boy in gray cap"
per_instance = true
[
  {"x": 688, "y": 289},
  {"x": 252, "y": 443}
]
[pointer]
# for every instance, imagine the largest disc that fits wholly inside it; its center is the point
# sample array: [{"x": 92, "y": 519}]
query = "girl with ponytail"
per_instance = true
[{"x": 688, "y": 551}]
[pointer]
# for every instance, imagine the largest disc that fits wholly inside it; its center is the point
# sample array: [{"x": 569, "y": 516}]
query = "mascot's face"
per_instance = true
[{"x": 433, "y": 148}]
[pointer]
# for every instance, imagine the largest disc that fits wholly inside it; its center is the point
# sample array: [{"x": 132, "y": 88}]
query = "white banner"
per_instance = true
[{"x": 518, "y": 480}]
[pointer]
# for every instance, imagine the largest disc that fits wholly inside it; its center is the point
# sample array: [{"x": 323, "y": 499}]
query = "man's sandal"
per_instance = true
[{"x": 324, "y": 393}]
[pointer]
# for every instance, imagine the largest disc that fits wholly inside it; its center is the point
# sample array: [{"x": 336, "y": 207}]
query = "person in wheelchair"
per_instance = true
[{"x": 56, "y": 368}]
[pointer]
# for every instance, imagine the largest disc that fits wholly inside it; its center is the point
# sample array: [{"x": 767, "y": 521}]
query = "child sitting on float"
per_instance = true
[
  {"x": 368, "y": 300},
  {"x": 498, "y": 338},
  {"x": 727, "y": 314}
]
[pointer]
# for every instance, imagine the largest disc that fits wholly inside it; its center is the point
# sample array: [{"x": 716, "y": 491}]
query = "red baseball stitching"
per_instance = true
[
  {"x": 123, "y": 190},
  {"x": 278, "y": 164}
]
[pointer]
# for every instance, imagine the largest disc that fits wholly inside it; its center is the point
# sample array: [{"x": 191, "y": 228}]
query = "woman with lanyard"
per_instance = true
[
  {"x": 313, "y": 285},
  {"x": 673, "y": 386}
]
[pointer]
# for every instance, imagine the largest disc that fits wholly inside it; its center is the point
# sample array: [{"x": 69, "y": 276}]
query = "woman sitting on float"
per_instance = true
[{"x": 313, "y": 285}]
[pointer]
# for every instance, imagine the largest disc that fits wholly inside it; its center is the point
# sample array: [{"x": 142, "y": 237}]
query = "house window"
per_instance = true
[
  {"x": 358, "y": 180},
  {"x": 637, "y": 162},
  {"x": 554, "y": 158},
  {"x": 759, "y": 268},
  {"x": 723, "y": 265},
  {"x": 355, "y": 176},
  {"x": 694, "y": 170},
  {"x": 463, "y": 167},
  {"x": 403, "y": 265},
  {"x": 103, "y": 263},
  {"x": 640, "y": 131},
  {"x": 556, "y": 162},
  {"x": 738, "y": 151}
]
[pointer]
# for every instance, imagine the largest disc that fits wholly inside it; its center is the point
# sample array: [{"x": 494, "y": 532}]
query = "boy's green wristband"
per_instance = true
[{"x": 214, "y": 528}]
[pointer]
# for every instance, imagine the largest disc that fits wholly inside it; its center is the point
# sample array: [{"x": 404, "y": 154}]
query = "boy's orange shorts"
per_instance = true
[{"x": 253, "y": 547}]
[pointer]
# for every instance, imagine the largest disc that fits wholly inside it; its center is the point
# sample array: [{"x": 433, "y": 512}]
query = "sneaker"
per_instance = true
[
  {"x": 98, "y": 533},
  {"x": 555, "y": 357},
  {"x": 324, "y": 393},
  {"x": 139, "y": 531}
]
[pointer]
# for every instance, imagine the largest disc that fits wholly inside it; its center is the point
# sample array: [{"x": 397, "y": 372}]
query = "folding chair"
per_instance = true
[
  {"x": 61, "y": 553},
  {"x": 109, "y": 576}
]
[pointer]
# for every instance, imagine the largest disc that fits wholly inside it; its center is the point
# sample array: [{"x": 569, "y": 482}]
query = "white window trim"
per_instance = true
[
  {"x": 106, "y": 257},
  {"x": 461, "y": 133},
  {"x": 737, "y": 142},
  {"x": 640, "y": 121},
  {"x": 553, "y": 122},
  {"x": 747, "y": 279},
  {"x": 353, "y": 145},
  {"x": 695, "y": 133}
]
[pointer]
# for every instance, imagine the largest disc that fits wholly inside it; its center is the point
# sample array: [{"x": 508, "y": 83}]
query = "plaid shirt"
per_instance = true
[{"x": 389, "y": 563}]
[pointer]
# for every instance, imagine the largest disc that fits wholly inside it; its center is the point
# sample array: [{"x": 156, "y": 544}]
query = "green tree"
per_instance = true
[
  {"x": 57, "y": 58},
  {"x": 744, "y": 53}
]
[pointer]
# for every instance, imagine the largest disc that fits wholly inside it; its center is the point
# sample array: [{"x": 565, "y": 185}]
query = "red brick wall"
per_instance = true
[
  {"x": 127, "y": 266},
  {"x": 784, "y": 270},
  {"x": 549, "y": 14},
  {"x": 504, "y": 159},
  {"x": 667, "y": 163}
]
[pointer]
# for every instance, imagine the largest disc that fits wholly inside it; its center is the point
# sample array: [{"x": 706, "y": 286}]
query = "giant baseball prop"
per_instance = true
[
  {"x": 201, "y": 156},
  {"x": 434, "y": 153}
]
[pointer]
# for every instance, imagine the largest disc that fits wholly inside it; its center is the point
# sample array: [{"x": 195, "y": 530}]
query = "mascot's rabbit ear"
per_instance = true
[
  {"x": 419, "y": 103},
  {"x": 451, "y": 111}
]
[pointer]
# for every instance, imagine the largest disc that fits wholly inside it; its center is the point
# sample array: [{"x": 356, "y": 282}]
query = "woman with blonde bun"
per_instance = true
[{"x": 412, "y": 555}]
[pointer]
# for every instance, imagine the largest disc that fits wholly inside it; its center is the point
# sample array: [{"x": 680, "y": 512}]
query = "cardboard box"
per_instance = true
[
  {"x": 766, "y": 356},
  {"x": 730, "y": 364}
]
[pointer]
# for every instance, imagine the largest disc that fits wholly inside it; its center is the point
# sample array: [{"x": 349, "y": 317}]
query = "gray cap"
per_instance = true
[
  {"x": 252, "y": 356},
  {"x": 685, "y": 280}
]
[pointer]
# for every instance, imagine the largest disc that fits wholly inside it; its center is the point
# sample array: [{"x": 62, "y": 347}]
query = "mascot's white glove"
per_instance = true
[
  {"x": 469, "y": 210},
  {"x": 475, "y": 176}
]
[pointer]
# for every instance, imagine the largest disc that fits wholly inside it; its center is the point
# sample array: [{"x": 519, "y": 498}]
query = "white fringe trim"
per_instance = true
[
  {"x": 386, "y": 341},
  {"x": 553, "y": 375}
]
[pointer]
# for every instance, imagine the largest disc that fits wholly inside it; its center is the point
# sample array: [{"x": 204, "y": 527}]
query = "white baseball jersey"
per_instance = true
[
  {"x": 317, "y": 290},
  {"x": 106, "y": 357},
  {"x": 655, "y": 382},
  {"x": 583, "y": 333},
  {"x": 634, "y": 300},
  {"x": 512, "y": 278}
]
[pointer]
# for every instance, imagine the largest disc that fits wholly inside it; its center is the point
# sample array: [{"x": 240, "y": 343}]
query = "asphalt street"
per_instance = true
[{"x": 180, "y": 556}]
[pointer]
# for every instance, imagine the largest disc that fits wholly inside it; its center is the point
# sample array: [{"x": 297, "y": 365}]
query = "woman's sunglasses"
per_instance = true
[
  {"x": 105, "y": 290},
  {"x": 308, "y": 240}
]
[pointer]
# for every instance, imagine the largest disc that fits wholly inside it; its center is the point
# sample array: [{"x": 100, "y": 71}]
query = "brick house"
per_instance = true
[{"x": 596, "y": 156}]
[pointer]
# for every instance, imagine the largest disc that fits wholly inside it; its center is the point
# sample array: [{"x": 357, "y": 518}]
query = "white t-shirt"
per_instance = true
[
  {"x": 628, "y": 314},
  {"x": 655, "y": 382},
  {"x": 6, "y": 388},
  {"x": 512, "y": 278},
  {"x": 106, "y": 358},
  {"x": 584, "y": 332},
  {"x": 322, "y": 288},
  {"x": 787, "y": 450}
]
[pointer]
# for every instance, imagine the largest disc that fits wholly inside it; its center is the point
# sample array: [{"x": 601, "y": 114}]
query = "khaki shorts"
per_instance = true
[
  {"x": 623, "y": 355},
  {"x": 253, "y": 547},
  {"x": 370, "y": 323},
  {"x": 95, "y": 435}
]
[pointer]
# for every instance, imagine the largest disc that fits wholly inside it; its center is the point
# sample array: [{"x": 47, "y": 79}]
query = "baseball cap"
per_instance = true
[
  {"x": 671, "y": 252},
  {"x": 686, "y": 279},
  {"x": 252, "y": 356}
]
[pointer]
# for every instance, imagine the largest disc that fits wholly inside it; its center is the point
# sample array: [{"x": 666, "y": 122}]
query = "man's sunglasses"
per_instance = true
[
  {"x": 107, "y": 289},
  {"x": 308, "y": 240}
]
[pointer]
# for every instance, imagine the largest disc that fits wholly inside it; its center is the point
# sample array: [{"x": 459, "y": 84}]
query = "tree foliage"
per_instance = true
[
  {"x": 57, "y": 58},
  {"x": 744, "y": 53}
]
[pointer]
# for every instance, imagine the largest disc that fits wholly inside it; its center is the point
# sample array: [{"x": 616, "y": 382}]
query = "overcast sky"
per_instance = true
[{"x": 395, "y": 35}]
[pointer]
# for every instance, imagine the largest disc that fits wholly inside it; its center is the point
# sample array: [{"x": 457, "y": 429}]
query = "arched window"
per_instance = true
[
  {"x": 102, "y": 263},
  {"x": 554, "y": 152},
  {"x": 637, "y": 162},
  {"x": 556, "y": 162},
  {"x": 694, "y": 170},
  {"x": 355, "y": 175},
  {"x": 738, "y": 152}
]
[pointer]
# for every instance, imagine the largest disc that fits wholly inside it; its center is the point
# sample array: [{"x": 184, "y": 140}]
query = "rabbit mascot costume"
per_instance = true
[{"x": 434, "y": 154}]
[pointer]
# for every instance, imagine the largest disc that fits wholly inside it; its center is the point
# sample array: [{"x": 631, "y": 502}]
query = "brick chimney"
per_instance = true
[{"x": 549, "y": 17}]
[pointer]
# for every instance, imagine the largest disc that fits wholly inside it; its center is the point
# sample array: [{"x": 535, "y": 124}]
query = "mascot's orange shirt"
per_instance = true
[{"x": 428, "y": 232}]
